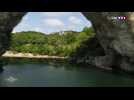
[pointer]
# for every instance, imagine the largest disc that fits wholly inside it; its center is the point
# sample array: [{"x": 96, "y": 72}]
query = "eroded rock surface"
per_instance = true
[
  {"x": 116, "y": 38},
  {"x": 8, "y": 20}
]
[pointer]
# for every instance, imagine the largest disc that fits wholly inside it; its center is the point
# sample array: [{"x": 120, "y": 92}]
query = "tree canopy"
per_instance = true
[{"x": 49, "y": 44}]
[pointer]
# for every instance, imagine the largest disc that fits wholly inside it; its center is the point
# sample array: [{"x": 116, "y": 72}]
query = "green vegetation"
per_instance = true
[{"x": 55, "y": 44}]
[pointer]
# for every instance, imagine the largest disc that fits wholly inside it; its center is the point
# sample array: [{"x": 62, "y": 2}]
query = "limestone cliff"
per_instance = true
[
  {"x": 116, "y": 38},
  {"x": 8, "y": 20}
]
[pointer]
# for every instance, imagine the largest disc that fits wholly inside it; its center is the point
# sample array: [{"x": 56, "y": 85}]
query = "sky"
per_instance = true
[{"x": 48, "y": 22}]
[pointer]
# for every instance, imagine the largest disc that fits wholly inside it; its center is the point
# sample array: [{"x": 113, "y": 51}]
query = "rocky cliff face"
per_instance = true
[
  {"x": 8, "y": 20},
  {"x": 114, "y": 37}
]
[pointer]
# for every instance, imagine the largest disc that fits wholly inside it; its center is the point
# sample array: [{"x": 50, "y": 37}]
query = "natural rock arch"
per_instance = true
[{"x": 117, "y": 39}]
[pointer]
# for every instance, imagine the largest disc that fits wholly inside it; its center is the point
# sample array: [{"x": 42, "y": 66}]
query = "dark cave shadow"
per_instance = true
[
  {"x": 2, "y": 63},
  {"x": 1, "y": 69}
]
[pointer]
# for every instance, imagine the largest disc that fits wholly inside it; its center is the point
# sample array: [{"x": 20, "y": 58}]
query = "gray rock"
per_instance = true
[
  {"x": 125, "y": 65},
  {"x": 8, "y": 20},
  {"x": 115, "y": 37}
]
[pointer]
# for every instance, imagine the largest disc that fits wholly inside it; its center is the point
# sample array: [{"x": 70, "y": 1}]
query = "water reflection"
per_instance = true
[
  {"x": 58, "y": 73},
  {"x": 3, "y": 62},
  {"x": 1, "y": 67},
  {"x": 11, "y": 79}
]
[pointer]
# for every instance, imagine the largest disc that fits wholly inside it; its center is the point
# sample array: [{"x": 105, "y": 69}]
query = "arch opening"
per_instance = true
[
  {"x": 49, "y": 22},
  {"x": 64, "y": 42}
]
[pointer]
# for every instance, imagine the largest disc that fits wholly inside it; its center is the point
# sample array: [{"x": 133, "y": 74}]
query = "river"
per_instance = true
[{"x": 29, "y": 73}]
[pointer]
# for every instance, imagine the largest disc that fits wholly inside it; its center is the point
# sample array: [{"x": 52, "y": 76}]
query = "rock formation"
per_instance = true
[
  {"x": 8, "y": 20},
  {"x": 114, "y": 37}
]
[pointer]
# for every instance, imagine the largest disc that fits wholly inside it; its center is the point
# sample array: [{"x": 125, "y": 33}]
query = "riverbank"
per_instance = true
[{"x": 30, "y": 55}]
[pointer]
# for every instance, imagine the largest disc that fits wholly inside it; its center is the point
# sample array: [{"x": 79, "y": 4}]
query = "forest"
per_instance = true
[{"x": 54, "y": 44}]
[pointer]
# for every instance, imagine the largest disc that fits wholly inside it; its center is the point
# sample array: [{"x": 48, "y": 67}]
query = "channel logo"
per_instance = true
[{"x": 117, "y": 18}]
